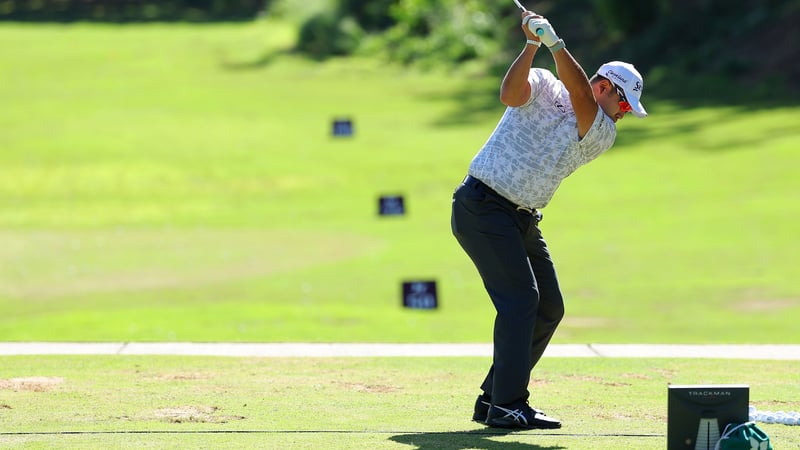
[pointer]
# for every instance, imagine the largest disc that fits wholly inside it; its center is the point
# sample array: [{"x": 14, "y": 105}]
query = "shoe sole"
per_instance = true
[{"x": 515, "y": 424}]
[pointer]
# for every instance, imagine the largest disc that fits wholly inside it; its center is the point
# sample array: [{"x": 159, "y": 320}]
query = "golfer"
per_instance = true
[{"x": 551, "y": 126}]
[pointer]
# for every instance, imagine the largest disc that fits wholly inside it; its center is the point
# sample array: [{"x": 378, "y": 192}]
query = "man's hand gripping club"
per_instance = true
[{"x": 538, "y": 28}]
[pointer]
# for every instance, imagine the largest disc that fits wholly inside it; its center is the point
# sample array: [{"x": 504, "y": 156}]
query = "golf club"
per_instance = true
[{"x": 538, "y": 31}]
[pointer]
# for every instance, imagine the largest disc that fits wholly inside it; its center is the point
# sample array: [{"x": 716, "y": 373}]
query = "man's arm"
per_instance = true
[
  {"x": 580, "y": 90},
  {"x": 515, "y": 89},
  {"x": 571, "y": 74}
]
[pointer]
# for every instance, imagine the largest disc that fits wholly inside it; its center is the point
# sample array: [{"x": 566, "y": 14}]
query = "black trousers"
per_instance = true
[{"x": 512, "y": 258}]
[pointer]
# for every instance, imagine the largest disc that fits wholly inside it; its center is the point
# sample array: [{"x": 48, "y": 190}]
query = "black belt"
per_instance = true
[{"x": 476, "y": 183}]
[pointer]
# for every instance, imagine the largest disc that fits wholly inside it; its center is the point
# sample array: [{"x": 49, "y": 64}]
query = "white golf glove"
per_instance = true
[{"x": 548, "y": 34}]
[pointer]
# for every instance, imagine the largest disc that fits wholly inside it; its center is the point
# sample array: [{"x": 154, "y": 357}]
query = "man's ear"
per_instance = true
[{"x": 606, "y": 87}]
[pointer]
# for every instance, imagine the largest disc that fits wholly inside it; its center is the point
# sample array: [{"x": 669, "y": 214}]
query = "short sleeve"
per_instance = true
[
  {"x": 599, "y": 138},
  {"x": 538, "y": 79}
]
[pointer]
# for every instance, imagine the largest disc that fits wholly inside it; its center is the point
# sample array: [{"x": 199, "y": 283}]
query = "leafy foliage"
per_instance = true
[
  {"x": 705, "y": 38},
  {"x": 425, "y": 32},
  {"x": 325, "y": 35},
  {"x": 372, "y": 15},
  {"x": 432, "y": 32}
]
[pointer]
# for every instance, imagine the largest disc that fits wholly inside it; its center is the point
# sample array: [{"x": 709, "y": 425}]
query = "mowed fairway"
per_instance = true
[{"x": 175, "y": 182}]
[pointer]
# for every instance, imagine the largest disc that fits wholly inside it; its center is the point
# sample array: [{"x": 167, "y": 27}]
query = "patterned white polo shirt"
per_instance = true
[{"x": 536, "y": 145}]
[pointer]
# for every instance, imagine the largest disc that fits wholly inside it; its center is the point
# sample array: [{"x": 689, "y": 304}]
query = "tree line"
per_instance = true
[
  {"x": 129, "y": 10},
  {"x": 750, "y": 40},
  {"x": 753, "y": 41}
]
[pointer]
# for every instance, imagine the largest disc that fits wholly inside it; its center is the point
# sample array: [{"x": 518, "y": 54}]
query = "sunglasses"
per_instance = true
[{"x": 624, "y": 106}]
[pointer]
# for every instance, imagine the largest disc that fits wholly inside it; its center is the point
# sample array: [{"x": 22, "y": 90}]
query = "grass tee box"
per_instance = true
[{"x": 355, "y": 403}]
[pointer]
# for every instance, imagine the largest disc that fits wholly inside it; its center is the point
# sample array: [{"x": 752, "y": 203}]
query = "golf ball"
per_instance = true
[{"x": 783, "y": 417}]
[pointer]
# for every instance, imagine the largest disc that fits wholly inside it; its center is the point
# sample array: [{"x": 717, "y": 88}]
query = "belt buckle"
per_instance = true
[{"x": 524, "y": 209}]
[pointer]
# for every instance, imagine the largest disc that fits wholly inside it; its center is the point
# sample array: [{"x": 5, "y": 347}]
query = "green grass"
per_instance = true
[
  {"x": 425, "y": 403},
  {"x": 176, "y": 182}
]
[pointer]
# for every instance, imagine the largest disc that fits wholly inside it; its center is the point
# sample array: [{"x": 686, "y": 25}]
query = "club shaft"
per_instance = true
[{"x": 539, "y": 31}]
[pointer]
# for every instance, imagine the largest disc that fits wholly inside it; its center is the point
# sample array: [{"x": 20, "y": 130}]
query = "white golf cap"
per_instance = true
[{"x": 628, "y": 78}]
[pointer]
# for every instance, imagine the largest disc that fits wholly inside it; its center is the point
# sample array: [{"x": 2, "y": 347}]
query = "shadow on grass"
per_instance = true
[
  {"x": 478, "y": 103},
  {"x": 478, "y": 100},
  {"x": 265, "y": 59},
  {"x": 457, "y": 440},
  {"x": 755, "y": 138}
]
